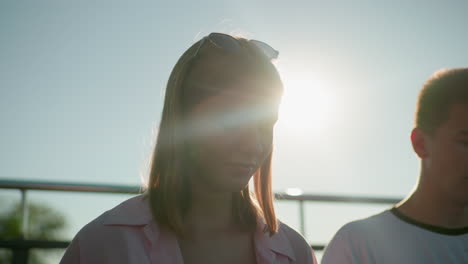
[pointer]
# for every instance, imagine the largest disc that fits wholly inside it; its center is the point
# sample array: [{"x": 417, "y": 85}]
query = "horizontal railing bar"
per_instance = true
[
  {"x": 68, "y": 187},
  {"x": 338, "y": 198},
  {"x": 46, "y": 244},
  {"x": 318, "y": 247},
  {"x": 28, "y": 244},
  {"x": 128, "y": 189}
]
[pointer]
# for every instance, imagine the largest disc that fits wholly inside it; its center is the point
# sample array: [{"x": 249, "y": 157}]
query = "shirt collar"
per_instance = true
[
  {"x": 278, "y": 243},
  {"x": 132, "y": 212},
  {"x": 136, "y": 212}
]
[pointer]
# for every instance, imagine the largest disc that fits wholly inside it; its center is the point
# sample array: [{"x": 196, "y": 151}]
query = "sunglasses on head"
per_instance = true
[{"x": 231, "y": 44}]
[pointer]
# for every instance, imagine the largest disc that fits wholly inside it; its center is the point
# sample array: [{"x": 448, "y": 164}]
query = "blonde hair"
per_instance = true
[{"x": 169, "y": 185}]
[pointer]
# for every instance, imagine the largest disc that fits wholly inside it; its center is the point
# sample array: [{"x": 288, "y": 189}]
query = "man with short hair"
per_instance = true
[{"x": 431, "y": 225}]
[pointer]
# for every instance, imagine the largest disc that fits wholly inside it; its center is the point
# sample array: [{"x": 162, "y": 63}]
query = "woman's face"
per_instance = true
[{"x": 231, "y": 135}]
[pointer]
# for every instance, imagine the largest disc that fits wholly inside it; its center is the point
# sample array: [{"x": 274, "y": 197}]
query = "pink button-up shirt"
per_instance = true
[{"x": 128, "y": 234}]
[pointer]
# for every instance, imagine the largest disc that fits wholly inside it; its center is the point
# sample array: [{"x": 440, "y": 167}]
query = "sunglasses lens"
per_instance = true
[
  {"x": 270, "y": 52},
  {"x": 225, "y": 42},
  {"x": 230, "y": 44}
]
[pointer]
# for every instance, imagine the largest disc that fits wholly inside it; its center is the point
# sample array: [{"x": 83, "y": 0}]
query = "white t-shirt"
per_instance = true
[{"x": 390, "y": 237}]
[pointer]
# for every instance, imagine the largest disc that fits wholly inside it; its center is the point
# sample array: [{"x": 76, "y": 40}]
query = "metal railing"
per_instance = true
[{"x": 21, "y": 247}]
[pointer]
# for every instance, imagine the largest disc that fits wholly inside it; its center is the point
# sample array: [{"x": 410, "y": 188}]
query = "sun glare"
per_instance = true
[{"x": 307, "y": 102}]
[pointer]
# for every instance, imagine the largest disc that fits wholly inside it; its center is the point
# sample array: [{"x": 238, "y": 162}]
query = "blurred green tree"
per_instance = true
[{"x": 44, "y": 223}]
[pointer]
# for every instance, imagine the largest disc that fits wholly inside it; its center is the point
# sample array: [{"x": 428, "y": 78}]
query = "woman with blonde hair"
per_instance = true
[{"x": 216, "y": 133}]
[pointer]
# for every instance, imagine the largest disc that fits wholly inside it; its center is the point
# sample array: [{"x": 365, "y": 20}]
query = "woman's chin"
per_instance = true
[{"x": 238, "y": 182}]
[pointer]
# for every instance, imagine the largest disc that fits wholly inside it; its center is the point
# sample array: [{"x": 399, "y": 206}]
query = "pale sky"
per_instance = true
[{"x": 82, "y": 83}]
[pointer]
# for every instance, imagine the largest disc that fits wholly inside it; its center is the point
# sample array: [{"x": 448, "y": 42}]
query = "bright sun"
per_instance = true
[{"x": 307, "y": 102}]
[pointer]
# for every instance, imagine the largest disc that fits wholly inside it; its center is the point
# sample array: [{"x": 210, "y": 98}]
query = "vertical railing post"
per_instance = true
[
  {"x": 302, "y": 217},
  {"x": 24, "y": 215},
  {"x": 20, "y": 255}
]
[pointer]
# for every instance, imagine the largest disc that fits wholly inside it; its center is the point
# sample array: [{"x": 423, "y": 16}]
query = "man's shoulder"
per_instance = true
[
  {"x": 375, "y": 221},
  {"x": 366, "y": 230},
  {"x": 354, "y": 240}
]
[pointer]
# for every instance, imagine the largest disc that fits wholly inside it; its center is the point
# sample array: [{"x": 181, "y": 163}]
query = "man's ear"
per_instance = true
[{"x": 419, "y": 142}]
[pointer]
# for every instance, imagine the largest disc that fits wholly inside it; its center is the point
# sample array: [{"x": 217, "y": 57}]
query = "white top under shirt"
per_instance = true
[{"x": 390, "y": 237}]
